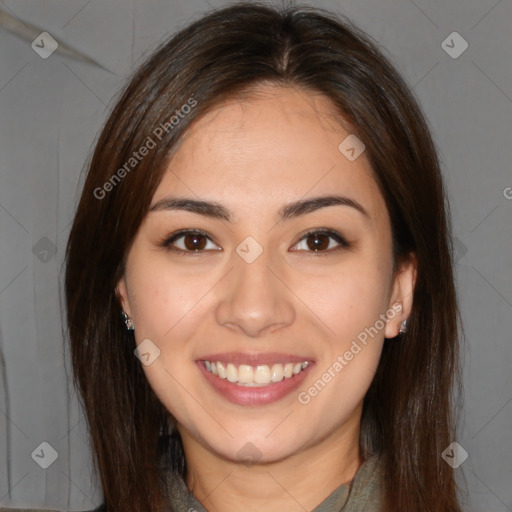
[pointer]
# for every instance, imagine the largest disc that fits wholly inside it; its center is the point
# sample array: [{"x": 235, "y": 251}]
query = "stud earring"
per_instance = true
[
  {"x": 127, "y": 321},
  {"x": 403, "y": 327}
]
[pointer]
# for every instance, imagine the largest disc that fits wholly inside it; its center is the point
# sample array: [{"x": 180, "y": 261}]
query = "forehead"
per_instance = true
[{"x": 276, "y": 144}]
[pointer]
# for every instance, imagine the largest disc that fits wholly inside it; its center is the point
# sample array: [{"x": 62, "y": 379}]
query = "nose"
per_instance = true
[{"x": 254, "y": 301}]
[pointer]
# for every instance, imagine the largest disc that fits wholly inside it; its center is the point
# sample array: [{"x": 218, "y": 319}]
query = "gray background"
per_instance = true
[{"x": 51, "y": 111}]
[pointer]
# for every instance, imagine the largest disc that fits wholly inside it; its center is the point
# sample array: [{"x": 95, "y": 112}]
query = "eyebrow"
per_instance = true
[{"x": 291, "y": 210}]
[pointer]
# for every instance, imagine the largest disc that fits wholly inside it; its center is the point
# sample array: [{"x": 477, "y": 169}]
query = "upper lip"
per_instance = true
[{"x": 254, "y": 358}]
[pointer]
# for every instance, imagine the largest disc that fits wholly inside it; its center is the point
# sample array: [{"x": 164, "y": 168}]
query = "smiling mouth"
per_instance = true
[{"x": 254, "y": 376}]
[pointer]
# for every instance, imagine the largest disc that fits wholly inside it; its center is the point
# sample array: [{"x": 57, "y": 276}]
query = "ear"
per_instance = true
[
  {"x": 122, "y": 295},
  {"x": 402, "y": 294}
]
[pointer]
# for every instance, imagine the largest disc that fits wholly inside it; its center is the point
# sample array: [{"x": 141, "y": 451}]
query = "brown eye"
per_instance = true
[
  {"x": 194, "y": 242},
  {"x": 318, "y": 242},
  {"x": 189, "y": 241},
  {"x": 321, "y": 241}
]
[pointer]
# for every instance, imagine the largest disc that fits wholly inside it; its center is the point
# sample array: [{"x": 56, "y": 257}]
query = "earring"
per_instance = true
[
  {"x": 403, "y": 327},
  {"x": 127, "y": 321}
]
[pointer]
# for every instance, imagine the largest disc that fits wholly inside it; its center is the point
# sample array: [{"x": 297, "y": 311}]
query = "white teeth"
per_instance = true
[
  {"x": 255, "y": 376},
  {"x": 288, "y": 370},
  {"x": 231, "y": 373},
  {"x": 262, "y": 374},
  {"x": 277, "y": 372},
  {"x": 245, "y": 374},
  {"x": 221, "y": 370}
]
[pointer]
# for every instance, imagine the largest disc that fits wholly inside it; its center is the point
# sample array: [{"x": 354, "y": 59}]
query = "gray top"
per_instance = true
[{"x": 362, "y": 494}]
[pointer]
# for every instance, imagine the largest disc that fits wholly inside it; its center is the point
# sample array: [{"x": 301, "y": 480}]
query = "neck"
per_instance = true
[{"x": 299, "y": 482}]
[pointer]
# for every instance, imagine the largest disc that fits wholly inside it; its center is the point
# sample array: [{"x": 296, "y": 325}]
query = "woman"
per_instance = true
[{"x": 264, "y": 211}]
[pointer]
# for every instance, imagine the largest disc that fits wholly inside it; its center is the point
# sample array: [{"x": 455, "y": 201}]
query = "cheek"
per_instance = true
[
  {"x": 168, "y": 303},
  {"x": 348, "y": 300},
  {"x": 164, "y": 297},
  {"x": 350, "y": 304}
]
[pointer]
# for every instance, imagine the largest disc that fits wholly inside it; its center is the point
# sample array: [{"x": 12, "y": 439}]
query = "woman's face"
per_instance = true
[{"x": 250, "y": 295}]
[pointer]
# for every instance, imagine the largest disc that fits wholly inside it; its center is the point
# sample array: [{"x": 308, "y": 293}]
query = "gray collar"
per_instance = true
[{"x": 362, "y": 493}]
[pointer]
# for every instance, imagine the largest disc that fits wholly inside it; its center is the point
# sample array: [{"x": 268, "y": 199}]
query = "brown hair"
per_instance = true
[{"x": 408, "y": 410}]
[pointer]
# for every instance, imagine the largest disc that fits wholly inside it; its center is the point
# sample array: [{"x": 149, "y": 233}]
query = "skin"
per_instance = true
[{"x": 254, "y": 155}]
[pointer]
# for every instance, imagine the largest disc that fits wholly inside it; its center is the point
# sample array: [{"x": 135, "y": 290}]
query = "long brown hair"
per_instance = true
[{"x": 408, "y": 410}]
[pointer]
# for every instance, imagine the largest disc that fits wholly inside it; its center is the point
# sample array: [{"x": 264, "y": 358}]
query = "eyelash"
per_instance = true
[{"x": 343, "y": 244}]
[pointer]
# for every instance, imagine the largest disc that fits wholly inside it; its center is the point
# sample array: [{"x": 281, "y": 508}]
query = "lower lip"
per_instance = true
[{"x": 263, "y": 395}]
